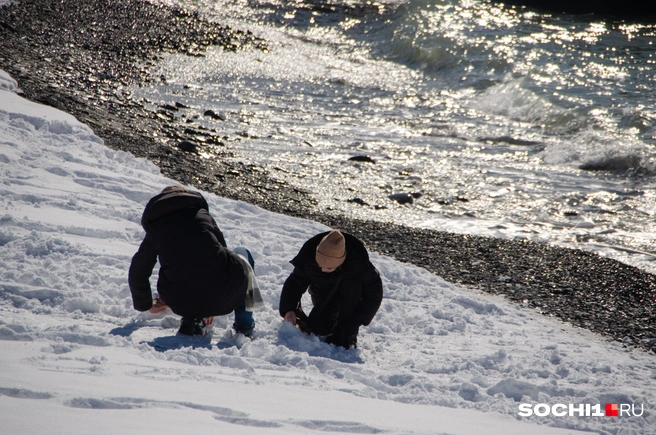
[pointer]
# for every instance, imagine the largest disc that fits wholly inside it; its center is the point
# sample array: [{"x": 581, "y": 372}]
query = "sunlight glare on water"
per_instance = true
[{"x": 494, "y": 121}]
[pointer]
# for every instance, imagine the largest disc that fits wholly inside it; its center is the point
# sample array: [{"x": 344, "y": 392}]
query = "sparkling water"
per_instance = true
[{"x": 474, "y": 117}]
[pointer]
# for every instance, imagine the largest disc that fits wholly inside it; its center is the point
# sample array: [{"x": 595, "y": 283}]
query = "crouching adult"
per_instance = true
[
  {"x": 199, "y": 278},
  {"x": 345, "y": 288}
]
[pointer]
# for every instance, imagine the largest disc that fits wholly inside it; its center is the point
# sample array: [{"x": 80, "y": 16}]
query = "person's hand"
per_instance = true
[
  {"x": 208, "y": 320},
  {"x": 291, "y": 317},
  {"x": 158, "y": 306}
]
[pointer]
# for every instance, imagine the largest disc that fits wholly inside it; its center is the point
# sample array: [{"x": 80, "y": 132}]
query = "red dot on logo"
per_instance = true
[{"x": 612, "y": 409}]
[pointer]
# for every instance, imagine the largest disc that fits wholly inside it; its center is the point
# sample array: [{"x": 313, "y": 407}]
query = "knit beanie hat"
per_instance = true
[
  {"x": 173, "y": 189},
  {"x": 331, "y": 251}
]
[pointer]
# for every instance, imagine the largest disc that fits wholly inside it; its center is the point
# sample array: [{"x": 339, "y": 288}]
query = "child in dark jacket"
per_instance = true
[
  {"x": 345, "y": 288},
  {"x": 199, "y": 278}
]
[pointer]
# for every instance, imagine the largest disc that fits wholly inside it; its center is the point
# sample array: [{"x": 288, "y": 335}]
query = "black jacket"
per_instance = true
[
  {"x": 356, "y": 266},
  {"x": 198, "y": 275}
]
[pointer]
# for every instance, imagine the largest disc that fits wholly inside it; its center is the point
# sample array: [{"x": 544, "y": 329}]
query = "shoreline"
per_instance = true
[{"x": 77, "y": 57}]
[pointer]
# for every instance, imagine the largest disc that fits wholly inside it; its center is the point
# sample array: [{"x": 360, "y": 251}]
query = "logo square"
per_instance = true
[{"x": 612, "y": 410}]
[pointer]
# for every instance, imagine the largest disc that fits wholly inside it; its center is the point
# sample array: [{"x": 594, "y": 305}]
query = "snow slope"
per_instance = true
[{"x": 76, "y": 358}]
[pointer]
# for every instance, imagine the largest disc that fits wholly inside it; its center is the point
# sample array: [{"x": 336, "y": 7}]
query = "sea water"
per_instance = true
[{"x": 476, "y": 118}]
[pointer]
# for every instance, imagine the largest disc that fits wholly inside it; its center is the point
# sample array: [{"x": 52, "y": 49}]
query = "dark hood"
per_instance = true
[{"x": 167, "y": 203}]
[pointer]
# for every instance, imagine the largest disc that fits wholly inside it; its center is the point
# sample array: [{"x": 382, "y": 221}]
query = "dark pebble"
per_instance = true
[
  {"x": 363, "y": 159},
  {"x": 359, "y": 201},
  {"x": 402, "y": 198},
  {"x": 212, "y": 114},
  {"x": 187, "y": 146}
]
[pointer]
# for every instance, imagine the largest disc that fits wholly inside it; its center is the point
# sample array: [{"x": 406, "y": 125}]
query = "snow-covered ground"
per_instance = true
[{"x": 75, "y": 357}]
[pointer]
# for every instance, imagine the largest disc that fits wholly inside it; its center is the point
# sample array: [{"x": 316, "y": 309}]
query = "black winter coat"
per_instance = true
[
  {"x": 356, "y": 266},
  {"x": 198, "y": 275}
]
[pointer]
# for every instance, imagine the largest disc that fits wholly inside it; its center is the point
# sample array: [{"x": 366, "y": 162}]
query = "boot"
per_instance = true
[
  {"x": 248, "y": 332},
  {"x": 191, "y": 326}
]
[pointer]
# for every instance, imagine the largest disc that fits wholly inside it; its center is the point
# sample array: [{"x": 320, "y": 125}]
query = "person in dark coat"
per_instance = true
[
  {"x": 345, "y": 288},
  {"x": 199, "y": 278}
]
